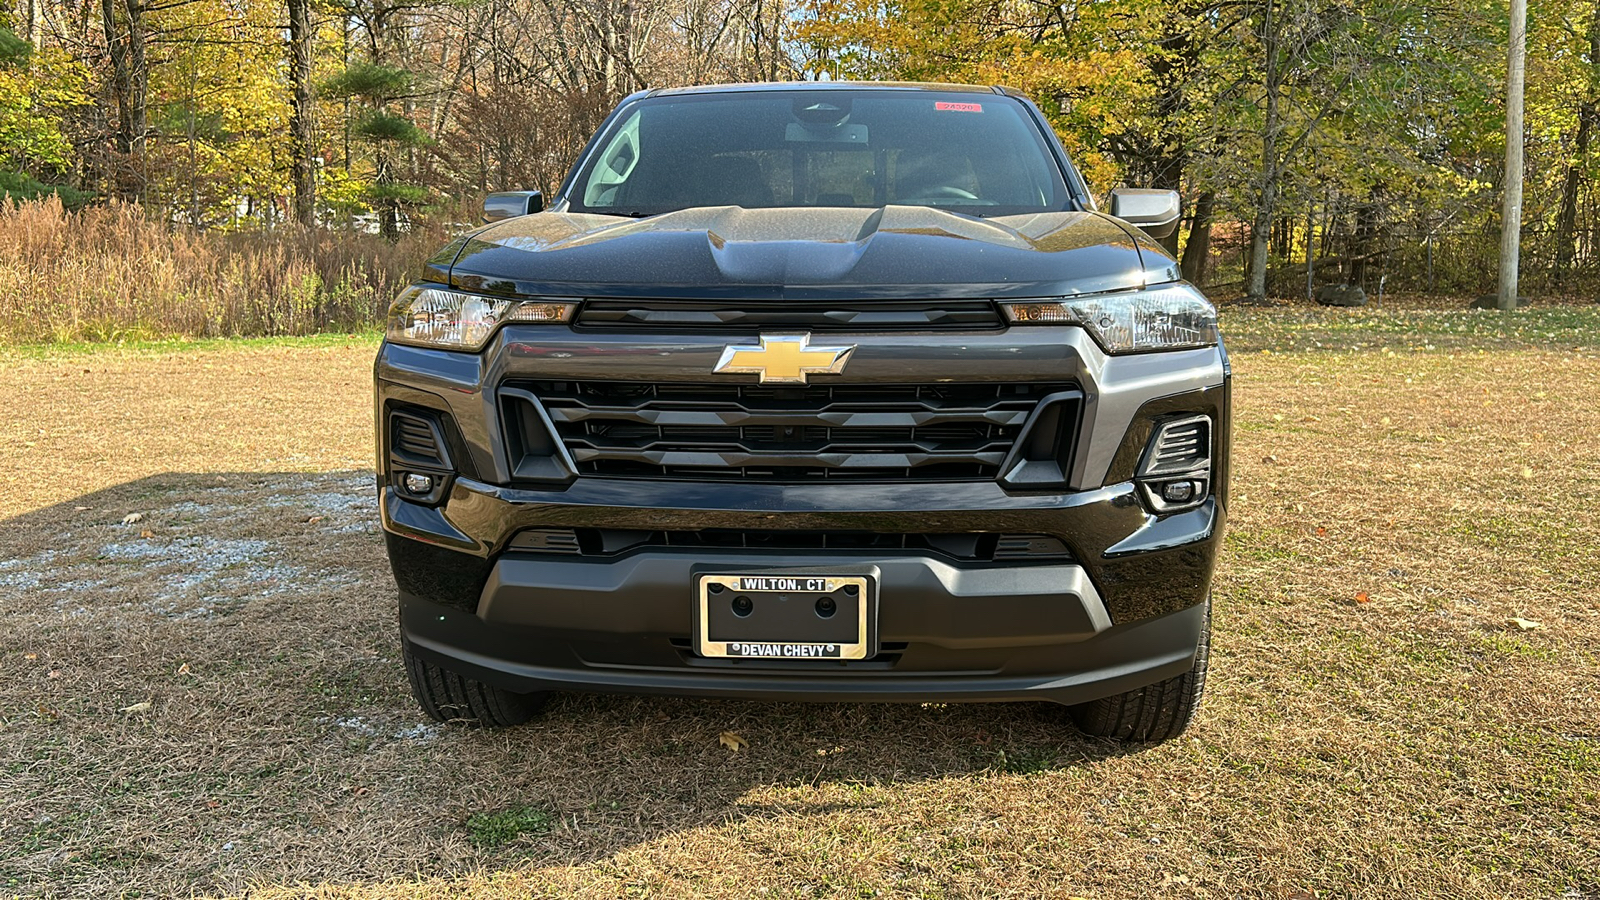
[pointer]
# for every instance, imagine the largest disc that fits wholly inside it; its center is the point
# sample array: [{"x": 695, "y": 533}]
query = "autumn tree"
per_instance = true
[{"x": 389, "y": 132}]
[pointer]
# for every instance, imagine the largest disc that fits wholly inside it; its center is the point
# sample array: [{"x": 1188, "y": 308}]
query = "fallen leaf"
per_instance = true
[
  {"x": 147, "y": 533},
  {"x": 184, "y": 670},
  {"x": 1269, "y": 460},
  {"x": 131, "y": 518},
  {"x": 54, "y": 673},
  {"x": 1363, "y": 597},
  {"x": 732, "y": 741},
  {"x": 141, "y": 706},
  {"x": 213, "y": 804},
  {"x": 30, "y": 656},
  {"x": 1526, "y": 624},
  {"x": 1527, "y": 472},
  {"x": 314, "y": 519},
  {"x": 1322, "y": 532}
]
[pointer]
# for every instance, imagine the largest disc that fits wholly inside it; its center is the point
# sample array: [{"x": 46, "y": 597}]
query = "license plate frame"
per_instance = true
[{"x": 786, "y": 602}]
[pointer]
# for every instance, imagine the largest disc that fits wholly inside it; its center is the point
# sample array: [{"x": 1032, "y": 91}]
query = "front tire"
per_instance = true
[
  {"x": 449, "y": 697},
  {"x": 1159, "y": 712}
]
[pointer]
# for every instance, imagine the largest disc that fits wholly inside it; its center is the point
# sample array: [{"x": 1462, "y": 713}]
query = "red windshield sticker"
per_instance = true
[{"x": 944, "y": 106}]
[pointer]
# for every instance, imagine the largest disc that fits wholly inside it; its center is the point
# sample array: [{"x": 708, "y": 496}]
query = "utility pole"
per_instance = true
[{"x": 1511, "y": 210}]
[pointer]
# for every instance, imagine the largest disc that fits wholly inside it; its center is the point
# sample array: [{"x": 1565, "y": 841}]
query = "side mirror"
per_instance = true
[
  {"x": 509, "y": 204},
  {"x": 1155, "y": 211}
]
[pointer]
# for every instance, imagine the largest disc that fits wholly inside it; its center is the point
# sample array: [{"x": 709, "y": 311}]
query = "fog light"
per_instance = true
[
  {"x": 420, "y": 485},
  {"x": 1178, "y": 492}
]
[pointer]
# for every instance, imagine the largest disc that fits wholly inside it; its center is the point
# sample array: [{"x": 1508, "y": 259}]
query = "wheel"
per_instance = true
[
  {"x": 1155, "y": 713},
  {"x": 450, "y": 697}
]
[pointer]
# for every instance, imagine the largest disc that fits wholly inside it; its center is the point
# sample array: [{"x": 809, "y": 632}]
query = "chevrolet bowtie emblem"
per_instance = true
[{"x": 783, "y": 359}]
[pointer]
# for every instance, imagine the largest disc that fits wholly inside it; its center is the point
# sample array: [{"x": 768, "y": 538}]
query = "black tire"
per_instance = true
[
  {"x": 456, "y": 699},
  {"x": 1151, "y": 714}
]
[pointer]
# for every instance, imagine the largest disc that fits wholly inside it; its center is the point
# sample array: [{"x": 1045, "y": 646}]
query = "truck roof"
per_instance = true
[{"x": 832, "y": 86}]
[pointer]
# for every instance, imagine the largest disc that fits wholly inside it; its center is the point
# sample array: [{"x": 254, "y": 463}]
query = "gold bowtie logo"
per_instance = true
[{"x": 783, "y": 359}]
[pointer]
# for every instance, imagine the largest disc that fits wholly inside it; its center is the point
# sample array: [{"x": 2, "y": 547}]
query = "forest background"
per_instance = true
[{"x": 279, "y": 166}]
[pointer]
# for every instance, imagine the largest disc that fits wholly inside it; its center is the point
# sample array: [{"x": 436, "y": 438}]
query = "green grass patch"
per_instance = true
[
  {"x": 491, "y": 830},
  {"x": 166, "y": 345}
]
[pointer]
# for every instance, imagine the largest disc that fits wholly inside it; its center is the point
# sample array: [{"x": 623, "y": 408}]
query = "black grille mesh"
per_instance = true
[{"x": 783, "y": 433}]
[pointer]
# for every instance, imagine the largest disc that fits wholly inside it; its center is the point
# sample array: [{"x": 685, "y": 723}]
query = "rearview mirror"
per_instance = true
[
  {"x": 1156, "y": 211},
  {"x": 509, "y": 204}
]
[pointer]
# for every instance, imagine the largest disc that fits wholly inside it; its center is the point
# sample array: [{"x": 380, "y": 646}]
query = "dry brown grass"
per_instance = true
[
  {"x": 109, "y": 272},
  {"x": 1419, "y": 744}
]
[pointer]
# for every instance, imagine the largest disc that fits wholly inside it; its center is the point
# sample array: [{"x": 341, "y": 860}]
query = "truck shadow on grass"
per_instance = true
[{"x": 201, "y": 687}]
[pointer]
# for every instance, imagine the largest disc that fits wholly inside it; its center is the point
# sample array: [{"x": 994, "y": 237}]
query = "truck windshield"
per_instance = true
[{"x": 978, "y": 154}]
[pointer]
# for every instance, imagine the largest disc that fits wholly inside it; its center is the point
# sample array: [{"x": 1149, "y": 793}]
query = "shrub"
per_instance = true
[{"x": 108, "y": 271}]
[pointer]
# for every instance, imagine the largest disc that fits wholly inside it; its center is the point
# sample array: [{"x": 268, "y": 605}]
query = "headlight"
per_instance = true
[
  {"x": 1166, "y": 317},
  {"x": 434, "y": 317}
]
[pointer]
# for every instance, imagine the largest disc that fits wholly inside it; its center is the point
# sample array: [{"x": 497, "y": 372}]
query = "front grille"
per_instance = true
[
  {"x": 966, "y": 547},
  {"x": 864, "y": 432}
]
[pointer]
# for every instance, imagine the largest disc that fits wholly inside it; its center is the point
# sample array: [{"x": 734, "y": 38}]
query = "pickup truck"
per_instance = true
[{"x": 818, "y": 391}]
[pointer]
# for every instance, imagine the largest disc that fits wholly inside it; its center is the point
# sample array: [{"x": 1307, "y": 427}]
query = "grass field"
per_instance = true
[{"x": 200, "y": 690}]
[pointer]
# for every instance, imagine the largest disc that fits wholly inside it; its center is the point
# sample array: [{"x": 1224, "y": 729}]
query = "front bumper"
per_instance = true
[
  {"x": 643, "y": 659},
  {"x": 1124, "y": 611}
]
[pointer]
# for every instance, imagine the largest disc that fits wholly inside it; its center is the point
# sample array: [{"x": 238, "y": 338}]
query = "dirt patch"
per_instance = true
[{"x": 208, "y": 698}]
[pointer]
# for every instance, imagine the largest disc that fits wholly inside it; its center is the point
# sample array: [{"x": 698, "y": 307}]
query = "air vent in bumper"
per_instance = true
[
  {"x": 416, "y": 439},
  {"x": 966, "y": 547},
  {"x": 1180, "y": 446}
]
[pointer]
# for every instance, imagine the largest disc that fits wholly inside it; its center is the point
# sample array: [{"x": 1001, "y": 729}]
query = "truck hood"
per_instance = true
[{"x": 893, "y": 251}]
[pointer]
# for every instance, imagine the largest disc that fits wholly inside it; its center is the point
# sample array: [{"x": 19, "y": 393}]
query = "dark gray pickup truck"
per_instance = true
[{"x": 811, "y": 392}]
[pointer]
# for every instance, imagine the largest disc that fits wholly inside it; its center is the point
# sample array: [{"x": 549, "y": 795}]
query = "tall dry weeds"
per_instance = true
[{"x": 110, "y": 272}]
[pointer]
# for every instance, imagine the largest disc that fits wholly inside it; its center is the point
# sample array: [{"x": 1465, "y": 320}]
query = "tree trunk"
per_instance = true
[
  {"x": 138, "y": 76},
  {"x": 1197, "y": 252},
  {"x": 1311, "y": 264},
  {"x": 1169, "y": 69},
  {"x": 1267, "y": 193},
  {"x": 117, "y": 50},
  {"x": 388, "y": 207},
  {"x": 1261, "y": 225},
  {"x": 1366, "y": 225},
  {"x": 1511, "y": 202},
  {"x": 302, "y": 116},
  {"x": 1283, "y": 237},
  {"x": 128, "y": 79},
  {"x": 1567, "y": 220}
]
